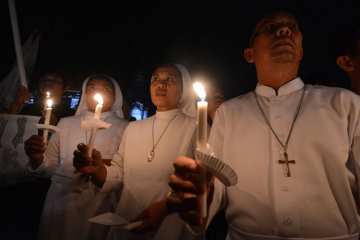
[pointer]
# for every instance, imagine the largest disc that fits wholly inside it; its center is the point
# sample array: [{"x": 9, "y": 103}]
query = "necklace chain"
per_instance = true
[
  {"x": 284, "y": 146},
  {"x": 152, "y": 152}
]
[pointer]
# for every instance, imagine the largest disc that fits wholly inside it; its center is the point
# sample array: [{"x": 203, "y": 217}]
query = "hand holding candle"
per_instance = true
[
  {"x": 48, "y": 109},
  {"x": 201, "y": 141},
  {"x": 98, "y": 109}
]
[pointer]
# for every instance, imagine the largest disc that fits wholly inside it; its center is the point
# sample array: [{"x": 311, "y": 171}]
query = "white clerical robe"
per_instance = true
[
  {"x": 71, "y": 200},
  {"x": 145, "y": 183},
  {"x": 321, "y": 198}
]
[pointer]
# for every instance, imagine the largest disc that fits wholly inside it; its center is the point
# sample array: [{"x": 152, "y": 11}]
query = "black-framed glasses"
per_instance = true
[{"x": 272, "y": 27}]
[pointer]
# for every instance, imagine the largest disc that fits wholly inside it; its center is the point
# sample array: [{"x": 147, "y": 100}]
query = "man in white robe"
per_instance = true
[
  {"x": 295, "y": 149},
  {"x": 71, "y": 198}
]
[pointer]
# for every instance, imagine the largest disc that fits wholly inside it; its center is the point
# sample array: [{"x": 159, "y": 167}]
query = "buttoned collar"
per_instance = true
[{"x": 287, "y": 88}]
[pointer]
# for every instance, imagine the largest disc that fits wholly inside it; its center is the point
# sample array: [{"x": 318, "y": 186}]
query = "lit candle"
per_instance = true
[
  {"x": 98, "y": 109},
  {"x": 47, "y": 97},
  {"x": 201, "y": 117},
  {"x": 202, "y": 134},
  {"x": 48, "y": 109},
  {"x": 99, "y": 106}
]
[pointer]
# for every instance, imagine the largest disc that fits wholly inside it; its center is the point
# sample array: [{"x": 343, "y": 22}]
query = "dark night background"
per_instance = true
[{"x": 125, "y": 39}]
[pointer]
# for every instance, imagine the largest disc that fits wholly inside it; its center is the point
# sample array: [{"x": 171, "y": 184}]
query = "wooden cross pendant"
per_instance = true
[{"x": 286, "y": 162}]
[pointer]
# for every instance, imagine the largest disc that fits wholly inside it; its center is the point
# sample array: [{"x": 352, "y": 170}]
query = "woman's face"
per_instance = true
[
  {"x": 103, "y": 87},
  {"x": 166, "y": 88}
]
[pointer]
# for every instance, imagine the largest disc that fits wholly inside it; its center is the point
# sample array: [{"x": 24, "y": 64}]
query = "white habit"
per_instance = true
[
  {"x": 146, "y": 182},
  {"x": 72, "y": 199}
]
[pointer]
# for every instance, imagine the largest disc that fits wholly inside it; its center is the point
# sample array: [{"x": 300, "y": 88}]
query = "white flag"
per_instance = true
[{"x": 9, "y": 85}]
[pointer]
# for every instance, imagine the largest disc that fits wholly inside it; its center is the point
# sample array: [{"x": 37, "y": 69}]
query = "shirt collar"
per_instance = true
[
  {"x": 167, "y": 114},
  {"x": 287, "y": 88}
]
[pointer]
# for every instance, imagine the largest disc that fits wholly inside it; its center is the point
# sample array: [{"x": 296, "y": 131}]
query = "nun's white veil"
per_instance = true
[
  {"x": 188, "y": 98},
  {"x": 116, "y": 107}
]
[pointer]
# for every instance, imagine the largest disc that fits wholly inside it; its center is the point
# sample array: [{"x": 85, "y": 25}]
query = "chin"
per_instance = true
[{"x": 284, "y": 57}]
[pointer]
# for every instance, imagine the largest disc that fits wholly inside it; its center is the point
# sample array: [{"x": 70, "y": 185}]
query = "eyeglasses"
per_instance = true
[{"x": 272, "y": 27}]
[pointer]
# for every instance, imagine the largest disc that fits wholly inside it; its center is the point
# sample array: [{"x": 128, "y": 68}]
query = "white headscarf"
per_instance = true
[
  {"x": 188, "y": 99},
  {"x": 116, "y": 107}
]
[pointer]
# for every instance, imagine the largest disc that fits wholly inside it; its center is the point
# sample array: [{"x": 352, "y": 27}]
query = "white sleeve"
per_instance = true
[
  {"x": 115, "y": 172},
  {"x": 354, "y": 157},
  {"x": 216, "y": 141}
]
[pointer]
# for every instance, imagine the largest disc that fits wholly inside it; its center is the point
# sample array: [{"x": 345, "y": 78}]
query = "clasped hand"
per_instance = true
[{"x": 85, "y": 164}]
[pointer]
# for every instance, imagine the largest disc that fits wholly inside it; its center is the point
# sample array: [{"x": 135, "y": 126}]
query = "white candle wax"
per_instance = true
[
  {"x": 202, "y": 125},
  {"x": 47, "y": 98},
  {"x": 47, "y": 118},
  {"x": 92, "y": 140},
  {"x": 98, "y": 110},
  {"x": 201, "y": 140},
  {"x": 99, "y": 106},
  {"x": 202, "y": 143}
]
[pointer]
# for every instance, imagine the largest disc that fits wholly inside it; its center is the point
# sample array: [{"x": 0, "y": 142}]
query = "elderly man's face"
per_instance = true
[{"x": 276, "y": 38}]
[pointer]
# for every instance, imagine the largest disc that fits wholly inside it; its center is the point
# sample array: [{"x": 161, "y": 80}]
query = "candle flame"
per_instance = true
[
  {"x": 98, "y": 98},
  {"x": 200, "y": 90},
  {"x": 47, "y": 94},
  {"x": 49, "y": 103}
]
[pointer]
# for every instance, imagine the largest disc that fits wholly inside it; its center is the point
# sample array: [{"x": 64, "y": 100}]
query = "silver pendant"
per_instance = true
[{"x": 151, "y": 155}]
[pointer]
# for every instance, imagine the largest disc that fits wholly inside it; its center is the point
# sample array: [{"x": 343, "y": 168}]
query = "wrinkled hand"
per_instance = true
[
  {"x": 152, "y": 217},
  {"x": 35, "y": 148},
  {"x": 85, "y": 164},
  {"x": 188, "y": 185}
]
